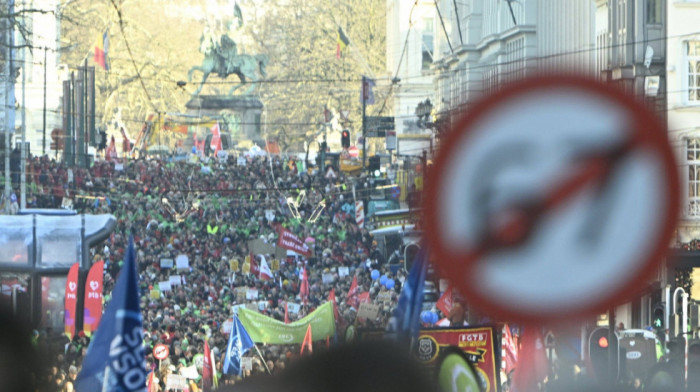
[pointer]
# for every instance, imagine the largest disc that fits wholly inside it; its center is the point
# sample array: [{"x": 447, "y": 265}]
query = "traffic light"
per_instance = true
[
  {"x": 56, "y": 139},
  {"x": 374, "y": 165},
  {"x": 658, "y": 318},
  {"x": 345, "y": 138},
  {"x": 600, "y": 345},
  {"x": 103, "y": 141},
  {"x": 409, "y": 254}
]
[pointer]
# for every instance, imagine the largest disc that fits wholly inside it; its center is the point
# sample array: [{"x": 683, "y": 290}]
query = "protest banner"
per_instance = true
[
  {"x": 164, "y": 285},
  {"x": 327, "y": 278},
  {"x": 175, "y": 280},
  {"x": 343, "y": 271},
  {"x": 263, "y": 329},
  {"x": 155, "y": 294},
  {"x": 289, "y": 241},
  {"x": 260, "y": 247}
]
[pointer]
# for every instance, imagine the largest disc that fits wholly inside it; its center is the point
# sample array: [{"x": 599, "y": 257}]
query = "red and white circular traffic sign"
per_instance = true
[
  {"x": 160, "y": 352},
  {"x": 554, "y": 198}
]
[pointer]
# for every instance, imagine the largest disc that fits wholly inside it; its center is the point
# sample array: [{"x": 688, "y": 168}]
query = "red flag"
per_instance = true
[
  {"x": 71, "y": 300},
  {"x": 510, "y": 350},
  {"x": 363, "y": 298},
  {"x": 254, "y": 269},
  {"x": 533, "y": 365},
  {"x": 111, "y": 152},
  {"x": 446, "y": 301},
  {"x": 126, "y": 144},
  {"x": 93, "y": 298},
  {"x": 286, "y": 313},
  {"x": 331, "y": 297},
  {"x": 207, "y": 370},
  {"x": 307, "y": 343},
  {"x": 353, "y": 294},
  {"x": 304, "y": 289}
]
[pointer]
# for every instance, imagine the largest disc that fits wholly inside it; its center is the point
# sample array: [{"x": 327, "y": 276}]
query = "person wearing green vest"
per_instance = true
[{"x": 212, "y": 228}]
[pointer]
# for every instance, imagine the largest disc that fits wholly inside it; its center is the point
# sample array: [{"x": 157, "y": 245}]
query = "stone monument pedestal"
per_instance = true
[{"x": 246, "y": 108}]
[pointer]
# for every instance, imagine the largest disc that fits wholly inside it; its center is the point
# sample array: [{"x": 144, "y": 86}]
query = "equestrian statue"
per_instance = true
[{"x": 223, "y": 59}]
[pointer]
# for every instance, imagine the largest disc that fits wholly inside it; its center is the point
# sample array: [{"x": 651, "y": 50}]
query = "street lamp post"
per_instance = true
[{"x": 684, "y": 329}]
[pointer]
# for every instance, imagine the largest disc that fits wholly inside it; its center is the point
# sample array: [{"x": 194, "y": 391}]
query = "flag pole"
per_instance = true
[{"x": 261, "y": 357}]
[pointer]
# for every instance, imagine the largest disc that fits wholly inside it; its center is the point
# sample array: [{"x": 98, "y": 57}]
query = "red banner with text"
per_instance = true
[
  {"x": 71, "y": 301},
  {"x": 291, "y": 242},
  {"x": 477, "y": 343},
  {"x": 93, "y": 298}
]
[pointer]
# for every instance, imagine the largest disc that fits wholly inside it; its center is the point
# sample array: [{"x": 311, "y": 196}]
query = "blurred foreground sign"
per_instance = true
[{"x": 552, "y": 199}]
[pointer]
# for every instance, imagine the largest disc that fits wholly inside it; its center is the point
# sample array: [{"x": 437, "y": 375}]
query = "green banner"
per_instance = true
[{"x": 263, "y": 329}]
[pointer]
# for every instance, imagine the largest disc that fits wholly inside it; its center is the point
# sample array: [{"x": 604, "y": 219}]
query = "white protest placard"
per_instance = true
[
  {"x": 166, "y": 263},
  {"x": 327, "y": 278},
  {"x": 293, "y": 308},
  {"x": 176, "y": 381},
  {"x": 246, "y": 363},
  {"x": 67, "y": 203},
  {"x": 368, "y": 311},
  {"x": 189, "y": 372},
  {"x": 175, "y": 280},
  {"x": 251, "y": 294},
  {"x": 118, "y": 166},
  {"x": 262, "y": 305},
  {"x": 384, "y": 297},
  {"x": 182, "y": 262},
  {"x": 227, "y": 326},
  {"x": 165, "y": 285},
  {"x": 343, "y": 271}
]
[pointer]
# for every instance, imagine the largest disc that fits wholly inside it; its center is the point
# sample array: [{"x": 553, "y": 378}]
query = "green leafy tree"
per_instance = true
[{"x": 153, "y": 44}]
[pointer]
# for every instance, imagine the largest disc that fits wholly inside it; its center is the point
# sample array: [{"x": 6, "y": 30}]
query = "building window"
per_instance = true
[
  {"x": 654, "y": 11},
  {"x": 428, "y": 43},
  {"x": 693, "y": 58},
  {"x": 693, "y": 157}
]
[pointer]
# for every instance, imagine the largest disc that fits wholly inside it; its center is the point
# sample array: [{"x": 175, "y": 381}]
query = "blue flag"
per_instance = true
[
  {"x": 239, "y": 343},
  {"x": 115, "y": 360},
  {"x": 405, "y": 321}
]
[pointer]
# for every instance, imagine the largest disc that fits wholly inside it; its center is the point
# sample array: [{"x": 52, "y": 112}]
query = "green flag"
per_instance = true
[{"x": 263, "y": 329}]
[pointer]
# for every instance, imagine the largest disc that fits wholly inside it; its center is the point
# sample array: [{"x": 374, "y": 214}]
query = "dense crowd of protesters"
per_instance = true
[{"x": 209, "y": 211}]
